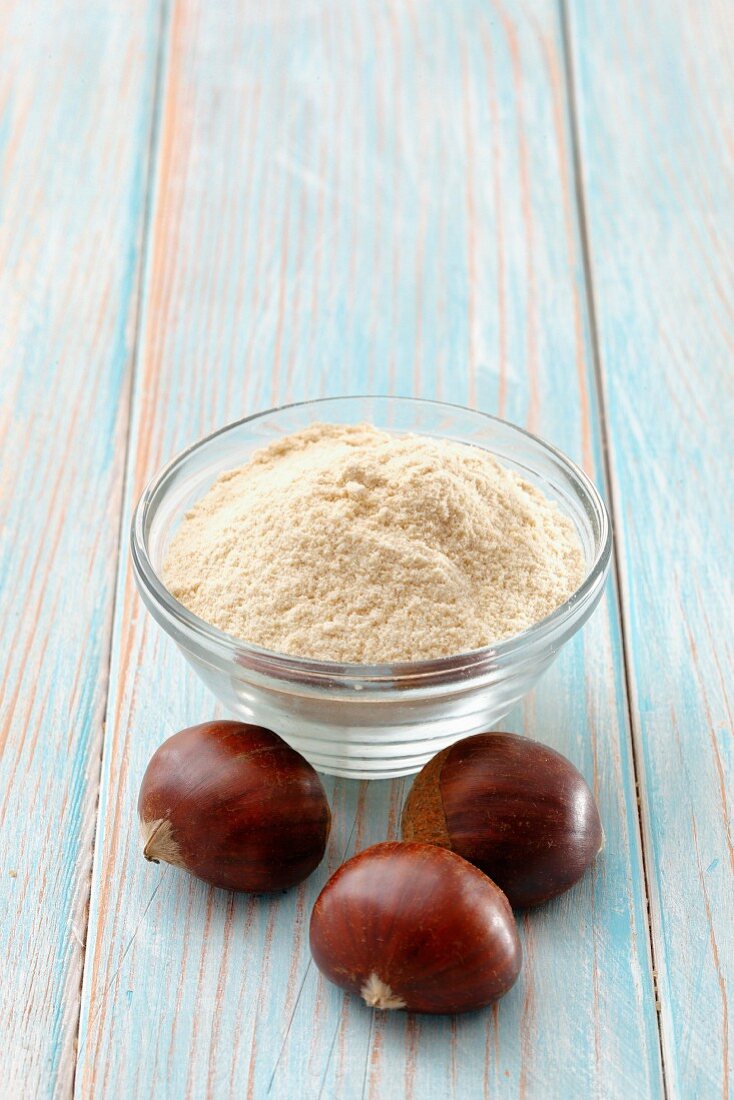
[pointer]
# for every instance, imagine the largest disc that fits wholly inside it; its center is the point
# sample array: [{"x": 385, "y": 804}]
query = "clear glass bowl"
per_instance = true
[{"x": 368, "y": 721}]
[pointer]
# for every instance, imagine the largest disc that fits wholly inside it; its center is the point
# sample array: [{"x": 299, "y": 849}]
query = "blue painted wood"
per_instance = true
[
  {"x": 656, "y": 117},
  {"x": 76, "y": 83},
  {"x": 348, "y": 198}
]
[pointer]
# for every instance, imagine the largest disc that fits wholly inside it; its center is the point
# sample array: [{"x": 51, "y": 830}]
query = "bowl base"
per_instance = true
[{"x": 378, "y": 751}]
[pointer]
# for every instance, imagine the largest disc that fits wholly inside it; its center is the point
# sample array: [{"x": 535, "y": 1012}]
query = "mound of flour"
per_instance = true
[{"x": 346, "y": 543}]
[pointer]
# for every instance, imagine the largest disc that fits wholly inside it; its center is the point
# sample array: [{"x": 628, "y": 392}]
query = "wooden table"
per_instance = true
[{"x": 209, "y": 208}]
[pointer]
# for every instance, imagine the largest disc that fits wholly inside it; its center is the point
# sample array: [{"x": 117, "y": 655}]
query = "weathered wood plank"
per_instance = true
[
  {"x": 76, "y": 91},
  {"x": 656, "y": 116},
  {"x": 359, "y": 197}
]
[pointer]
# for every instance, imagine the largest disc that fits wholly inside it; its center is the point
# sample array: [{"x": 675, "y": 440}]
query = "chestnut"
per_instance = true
[
  {"x": 234, "y": 805},
  {"x": 414, "y": 926},
  {"x": 516, "y": 809}
]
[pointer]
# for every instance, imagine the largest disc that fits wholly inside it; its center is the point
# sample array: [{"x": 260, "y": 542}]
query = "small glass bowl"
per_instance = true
[{"x": 368, "y": 721}]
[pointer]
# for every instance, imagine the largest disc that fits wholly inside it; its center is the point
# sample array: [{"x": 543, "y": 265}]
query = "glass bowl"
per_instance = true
[{"x": 368, "y": 721}]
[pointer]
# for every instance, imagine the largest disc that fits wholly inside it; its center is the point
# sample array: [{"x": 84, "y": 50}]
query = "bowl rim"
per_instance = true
[{"x": 286, "y": 665}]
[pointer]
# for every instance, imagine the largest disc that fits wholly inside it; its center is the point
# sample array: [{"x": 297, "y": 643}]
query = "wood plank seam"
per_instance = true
[
  {"x": 392, "y": 833},
  {"x": 309, "y": 964},
  {"x": 609, "y": 489},
  {"x": 154, "y": 131}
]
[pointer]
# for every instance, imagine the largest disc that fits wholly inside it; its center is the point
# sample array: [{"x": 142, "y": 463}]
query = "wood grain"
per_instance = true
[
  {"x": 75, "y": 109},
  {"x": 656, "y": 119},
  {"x": 359, "y": 197}
]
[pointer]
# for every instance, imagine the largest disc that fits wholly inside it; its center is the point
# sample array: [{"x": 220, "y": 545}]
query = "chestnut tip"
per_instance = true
[
  {"x": 377, "y": 994},
  {"x": 159, "y": 843}
]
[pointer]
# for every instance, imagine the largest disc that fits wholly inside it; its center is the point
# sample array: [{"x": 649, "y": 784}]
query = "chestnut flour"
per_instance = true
[{"x": 347, "y": 543}]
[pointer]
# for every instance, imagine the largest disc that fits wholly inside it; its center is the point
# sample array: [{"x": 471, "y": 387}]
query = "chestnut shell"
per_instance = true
[
  {"x": 234, "y": 805},
  {"x": 513, "y": 807},
  {"x": 417, "y": 927}
]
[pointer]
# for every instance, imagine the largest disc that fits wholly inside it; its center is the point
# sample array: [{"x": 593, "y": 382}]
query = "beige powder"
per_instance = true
[{"x": 349, "y": 544}]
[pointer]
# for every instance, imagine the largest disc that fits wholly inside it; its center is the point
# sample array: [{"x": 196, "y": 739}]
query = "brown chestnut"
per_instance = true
[
  {"x": 516, "y": 809},
  {"x": 417, "y": 927},
  {"x": 234, "y": 805}
]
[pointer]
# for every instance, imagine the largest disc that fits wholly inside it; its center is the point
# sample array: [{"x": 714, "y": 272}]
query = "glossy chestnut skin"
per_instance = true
[
  {"x": 234, "y": 805},
  {"x": 415, "y": 926},
  {"x": 513, "y": 807}
]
